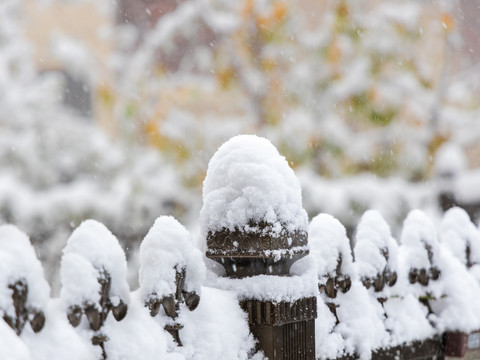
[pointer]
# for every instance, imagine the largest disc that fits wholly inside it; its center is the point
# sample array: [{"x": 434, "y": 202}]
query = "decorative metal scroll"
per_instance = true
[
  {"x": 258, "y": 243},
  {"x": 386, "y": 277},
  {"x": 96, "y": 314},
  {"x": 23, "y": 313},
  {"x": 336, "y": 282},
  {"x": 171, "y": 303}
]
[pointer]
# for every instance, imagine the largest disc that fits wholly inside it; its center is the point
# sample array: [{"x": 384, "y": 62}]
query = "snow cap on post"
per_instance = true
[{"x": 252, "y": 203}]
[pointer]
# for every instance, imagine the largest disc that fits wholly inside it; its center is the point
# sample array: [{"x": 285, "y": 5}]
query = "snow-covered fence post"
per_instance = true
[
  {"x": 94, "y": 279},
  {"x": 462, "y": 238},
  {"x": 171, "y": 272},
  {"x": 24, "y": 292},
  {"x": 255, "y": 226}
]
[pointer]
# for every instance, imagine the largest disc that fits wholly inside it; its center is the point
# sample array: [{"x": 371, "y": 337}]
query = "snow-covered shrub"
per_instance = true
[
  {"x": 345, "y": 310},
  {"x": 11, "y": 347}
]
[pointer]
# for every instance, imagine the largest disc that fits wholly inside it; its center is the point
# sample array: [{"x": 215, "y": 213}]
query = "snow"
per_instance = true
[
  {"x": 79, "y": 280},
  {"x": 217, "y": 329},
  {"x": 271, "y": 287},
  {"x": 458, "y": 233},
  {"x": 360, "y": 328},
  {"x": 11, "y": 347},
  {"x": 465, "y": 187},
  {"x": 100, "y": 251},
  {"x": 137, "y": 336},
  {"x": 419, "y": 233},
  {"x": 249, "y": 182},
  {"x": 407, "y": 319},
  {"x": 167, "y": 246},
  {"x": 19, "y": 261},
  {"x": 453, "y": 297},
  {"x": 327, "y": 239},
  {"x": 57, "y": 340},
  {"x": 375, "y": 249}
]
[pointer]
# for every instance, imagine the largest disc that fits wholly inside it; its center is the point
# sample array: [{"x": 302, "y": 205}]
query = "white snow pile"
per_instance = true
[
  {"x": 168, "y": 246},
  {"x": 327, "y": 239},
  {"x": 56, "y": 340},
  {"x": 452, "y": 299},
  {"x": 450, "y": 160},
  {"x": 18, "y": 261},
  {"x": 375, "y": 250},
  {"x": 249, "y": 182},
  {"x": 90, "y": 250},
  {"x": 351, "y": 319},
  {"x": 418, "y": 236},
  {"x": 376, "y": 258},
  {"x": 357, "y": 327},
  {"x": 302, "y": 283},
  {"x": 461, "y": 236},
  {"x": 217, "y": 328},
  {"x": 11, "y": 346}
]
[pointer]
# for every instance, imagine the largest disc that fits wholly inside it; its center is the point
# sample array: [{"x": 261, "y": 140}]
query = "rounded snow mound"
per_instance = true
[
  {"x": 249, "y": 183},
  {"x": 375, "y": 249},
  {"x": 460, "y": 236},
  {"x": 420, "y": 238},
  {"x": 18, "y": 261},
  {"x": 100, "y": 250},
  {"x": 167, "y": 248},
  {"x": 328, "y": 241}
]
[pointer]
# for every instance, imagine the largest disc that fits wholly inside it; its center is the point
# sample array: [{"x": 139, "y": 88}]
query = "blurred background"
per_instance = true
[{"x": 111, "y": 109}]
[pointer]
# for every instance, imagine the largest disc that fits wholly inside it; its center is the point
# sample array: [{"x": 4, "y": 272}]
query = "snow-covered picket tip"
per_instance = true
[
  {"x": 18, "y": 261},
  {"x": 249, "y": 182},
  {"x": 327, "y": 239},
  {"x": 360, "y": 329},
  {"x": 166, "y": 246},
  {"x": 11, "y": 346},
  {"x": 460, "y": 236},
  {"x": 93, "y": 242},
  {"x": 375, "y": 249},
  {"x": 419, "y": 233}
]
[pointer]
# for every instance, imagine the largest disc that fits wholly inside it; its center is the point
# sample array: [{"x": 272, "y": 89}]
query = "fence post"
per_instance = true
[{"x": 261, "y": 241}]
